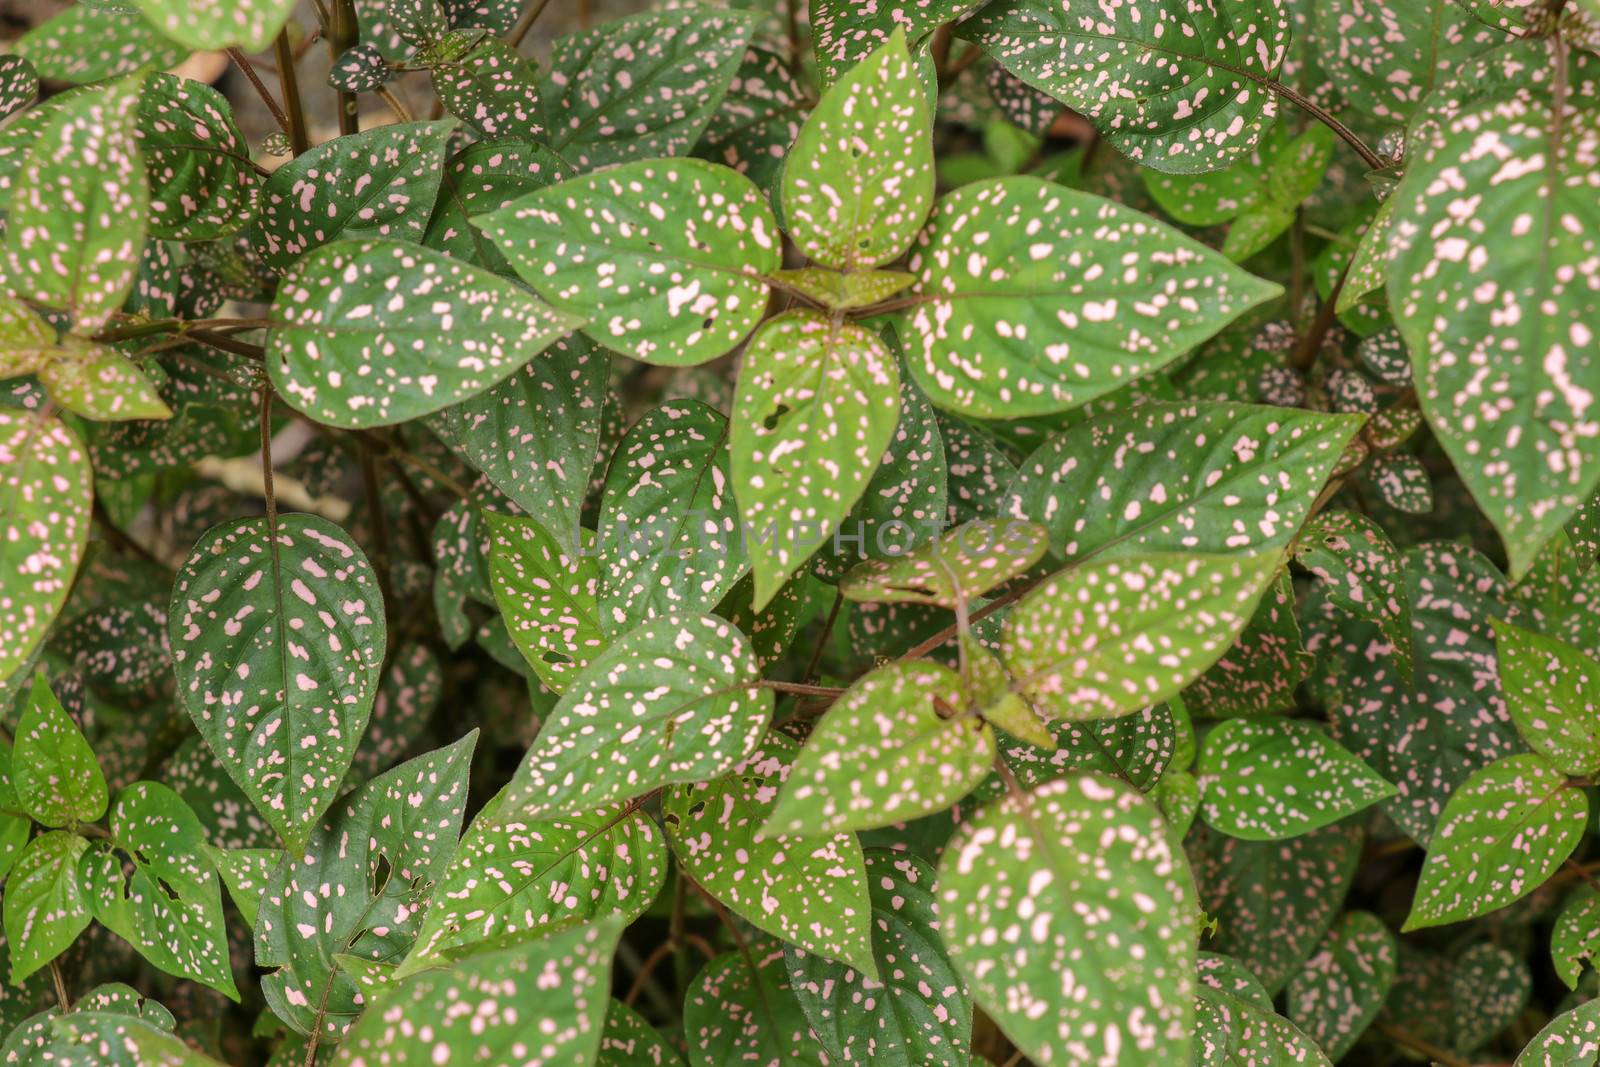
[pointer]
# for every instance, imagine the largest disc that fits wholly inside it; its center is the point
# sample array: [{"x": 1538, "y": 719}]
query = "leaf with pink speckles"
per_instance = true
[
  {"x": 278, "y": 638},
  {"x": 673, "y": 700},
  {"x": 1504, "y": 831},
  {"x": 539, "y": 1002},
  {"x": 1032, "y": 298},
  {"x": 1568, "y": 1040},
  {"x": 899, "y": 744},
  {"x": 206, "y": 25},
  {"x": 100, "y": 383},
  {"x": 962, "y": 565},
  {"x": 46, "y": 491},
  {"x": 1086, "y": 872},
  {"x": 86, "y": 43},
  {"x": 846, "y": 32},
  {"x": 372, "y": 333},
  {"x": 641, "y": 86},
  {"x": 818, "y": 402},
  {"x": 1109, "y": 637},
  {"x": 377, "y": 183},
  {"x": 202, "y": 184},
  {"x": 492, "y": 89},
  {"x": 741, "y": 1010},
  {"x": 1177, "y": 87},
  {"x": 528, "y": 877},
  {"x": 1361, "y": 572},
  {"x": 1235, "y": 1022},
  {"x": 548, "y": 591},
  {"x": 78, "y": 214},
  {"x": 1341, "y": 989},
  {"x": 665, "y": 257},
  {"x": 486, "y": 177},
  {"x": 809, "y": 890},
  {"x": 1506, "y": 359},
  {"x": 859, "y": 180},
  {"x": 920, "y": 1013},
  {"x": 359, "y": 887},
  {"x": 57, "y": 778},
  {"x": 19, "y": 84}
]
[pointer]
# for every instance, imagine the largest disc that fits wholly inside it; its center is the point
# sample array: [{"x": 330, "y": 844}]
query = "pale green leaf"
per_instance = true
[
  {"x": 810, "y": 891},
  {"x": 962, "y": 565},
  {"x": 1099, "y": 962},
  {"x": 817, "y": 404},
  {"x": 900, "y": 743},
  {"x": 859, "y": 180},
  {"x": 548, "y": 593},
  {"x": 207, "y": 25},
  {"x": 1505, "y": 830},
  {"x": 629, "y": 1041},
  {"x": 245, "y": 872},
  {"x": 46, "y": 902},
  {"x": 370, "y": 333},
  {"x": 1034, "y": 298},
  {"x": 1552, "y": 692},
  {"x": 100, "y": 383},
  {"x": 664, "y": 257},
  {"x": 1571, "y": 1039},
  {"x": 674, "y": 700},
  {"x": 85, "y": 43},
  {"x": 842, "y": 291},
  {"x": 57, "y": 778}
]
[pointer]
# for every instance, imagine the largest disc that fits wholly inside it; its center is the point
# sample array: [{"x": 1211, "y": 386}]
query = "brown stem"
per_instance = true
[
  {"x": 289, "y": 82},
  {"x": 530, "y": 15},
  {"x": 801, "y": 690},
  {"x": 1405, "y": 1039},
  {"x": 984, "y": 612},
  {"x": 651, "y": 962},
  {"x": 267, "y": 490},
  {"x": 401, "y": 112},
  {"x": 60, "y": 981},
  {"x": 343, "y": 34},
  {"x": 249, "y": 71},
  {"x": 1305, "y": 353},
  {"x": 1368, "y": 156},
  {"x": 228, "y": 344}
]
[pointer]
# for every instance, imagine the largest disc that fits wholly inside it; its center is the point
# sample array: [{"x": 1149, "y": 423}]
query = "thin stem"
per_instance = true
[
  {"x": 1368, "y": 156},
  {"x": 651, "y": 962},
  {"x": 62, "y": 997},
  {"x": 380, "y": 524},
  {"x": 530, "y": 15},
  {"x": 1405, "y": 1039},
  {"x": 822, "y": 642},
  {"x": 1310, "y": 345},
  {"x": 289, "y": 82},
  {"x": 249, "y": 71},
  {"x": 228, "y": 344},
  {"x": 343, "y": 34},
  {"x": 267, "y": 490},
  {"x": 396, "y": 105},
  {"x": 948, "y": 76},
  {"x": 982, "y": 613},
  {"x": 800, "y": 689}
]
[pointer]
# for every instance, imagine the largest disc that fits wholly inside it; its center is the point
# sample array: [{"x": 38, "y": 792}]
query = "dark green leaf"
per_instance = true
[{"x": 1336, "y": 996}]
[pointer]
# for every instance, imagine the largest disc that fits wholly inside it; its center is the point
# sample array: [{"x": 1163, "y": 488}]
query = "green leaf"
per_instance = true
[
  {"x": 1207, "y": 477},
  {"x": 157, "y": 890},
  {"x": 1566, "y": 1041},
  {"x": 817, "y": 405},
  {"x": 1383, "y": 59},
  {"x": 98, "y": 382},
  {"x": 86, "y": 44},
  {"x": 843, "y": 292},
  {"x": 1178, "y": 88},
  {"x": 741, "y": 1010},
  {"x": 1112, "y": 636},
  {"x": 55, "y": 773},
  {"x": 811, "y": 891},
  {"x": 360, "y": 68},
  {"x": 1273, "y": 900},
  {"x": 245, "y": 871},
  {"x": 1136, "y": 748},
  {"x": 1178, "y": 796},
  {"x": 962, "y": 565},
  {"x": 899, "y": 744},
  {"x": 1552, "y": 692},
  {"x": 859, "y": 180},
  {"x": 46, "y": 905},
  {"x": 758, "y": 119},
  {"x": 534, "y": 435},
  {"x": 1235, "y": 1023},
  {"x": 548, "y": 594},
  {"x": 920, "y": 1014},
  {"x": 664, "y": 258},
  {"x": 1503, "y": 363},
  {"x": 1504, "y": 831},
  {"x": 210, "y": 25},
  {"x": 1100, "y": 958},
  {"x": 1267, "y": 779},
  {"x": 629, "y": 1041},
  {"x": 464, "y": 1014},
  {"x": 485, "y": 177},
  {"x": 1034, "y": 298},
  {"x": 74, "y": 227},
  {"x": 669, "y": 527},
  {"x": 1576, "y": 936},
  {"x": 278, "y": 638},
  {"x": 674, "y": 700},
  {"x": 380, "y": 183},
  {"x": 1361, "y": 571},
  {"x": 529, "y": 877},
  {"x": 19, "y": 84},
  {"x": 15, "y": 825},
  {"x": 1338, "y": 993},
  {"x": 845, "y": 33},
  {"x": 359, "y": 887},
  {"x": 371, "y": 333},
  {"x": 1260, "y": 673},
  {"x": 202, "y": 186},
  {"x": 492, "y": 89},
  {"x": 642, "y": 86},
  {"x": 1488, "y": 991}
]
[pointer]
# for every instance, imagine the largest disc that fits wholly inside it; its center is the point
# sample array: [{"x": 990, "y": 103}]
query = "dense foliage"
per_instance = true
[{"x": 761, "y": 537}]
